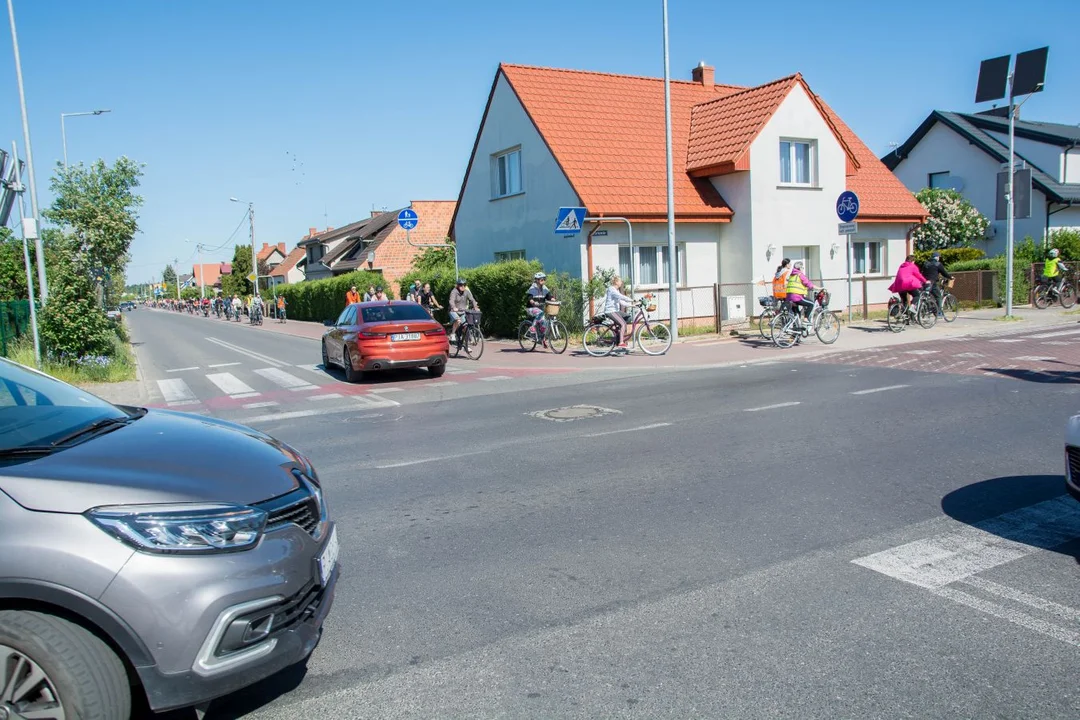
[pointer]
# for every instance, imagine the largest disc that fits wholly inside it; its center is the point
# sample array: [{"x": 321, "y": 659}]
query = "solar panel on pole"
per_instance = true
[
  {"x": 1029, "y": 74},
  {"x": 993, "y": 79}
]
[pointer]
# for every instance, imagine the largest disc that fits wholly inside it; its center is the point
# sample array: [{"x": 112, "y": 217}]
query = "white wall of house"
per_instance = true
[
  {"x": 1048, "y": 158},
  {"x": 736, "y": 263},
  {"x": 1067, "y": 217},
  {"x": 1071, "y": 162},
  {"x": 942, "y": 150},
  {"x": 697, "y": 244},
  {"x": 786, "y": 215},
  {"x": 526, "y": 220}
]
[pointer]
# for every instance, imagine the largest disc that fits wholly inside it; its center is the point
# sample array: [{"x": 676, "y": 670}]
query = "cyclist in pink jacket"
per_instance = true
[{"x": 908, "y": 281}]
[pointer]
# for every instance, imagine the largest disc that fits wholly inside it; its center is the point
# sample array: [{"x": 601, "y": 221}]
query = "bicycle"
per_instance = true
[
  {"x": 469, "y": 337},
  {"x": 256, "y": 316},
  {"x": 770, "y": 307},
  {"x": 652, "y": 338},
  {"x": 545, "y": 330},
  {"x": 281, "y": 315},
  {"x": 788, "y": 328},
  {"x": 950, "y": 306},
  {"x": 1047, "y": 293},
  {"x": 925, "y": 313}
]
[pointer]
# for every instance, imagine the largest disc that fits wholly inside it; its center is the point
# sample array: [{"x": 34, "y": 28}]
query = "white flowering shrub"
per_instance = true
[{"x": 952, "y": 221}]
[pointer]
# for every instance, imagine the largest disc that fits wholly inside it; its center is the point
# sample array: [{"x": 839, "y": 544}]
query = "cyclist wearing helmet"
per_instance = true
[
  {"x": 461, "y": 298},
  {"x": 1052, "y": 270},
  {"x": 932, "y": 271},
  {"x": 798, "y": 285},
  {"x": 537, "y": 295}
]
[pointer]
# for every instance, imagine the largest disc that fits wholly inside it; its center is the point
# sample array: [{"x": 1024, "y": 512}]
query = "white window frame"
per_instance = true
[
  {"x": 504, "y": 159},
  {"x": 867, "y": 257},
  {"x": 509, "y": 255},
  {"x": 661, "y": 250},
  {"x": 811, "y": 162}
]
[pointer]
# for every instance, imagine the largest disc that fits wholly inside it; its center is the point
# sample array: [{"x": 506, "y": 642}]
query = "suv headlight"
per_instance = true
[{"x": 182, "y": 529}]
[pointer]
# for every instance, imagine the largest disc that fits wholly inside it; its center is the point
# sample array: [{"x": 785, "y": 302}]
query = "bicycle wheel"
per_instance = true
[
  {"x": 474, "y": 342},
  {"x": 653, "y": 339},
  {"x": 598, "y": 339},
  {"x": 1068, "y": 296},
  {"x": 558, "y": 337},
  {"x": 782, "y": 330},
  {"x": 1042, "y": 297},
  {"x": 526, "y": 338},
  {"x": 827, "y": 328},
  {"x": 927, "y": 313},
  {"x": 950, "y": 307},
  {"x": 896, "y": 318},
  {"x": 763, "y": 322}
]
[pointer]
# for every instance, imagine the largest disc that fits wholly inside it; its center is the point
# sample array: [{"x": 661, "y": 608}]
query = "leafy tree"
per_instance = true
[
  {"x": 1067, "y": 240},
  {"x": 168, "y": 274},
  {"x": 952, "y": 221},
  {"x": 72, "y": 323},
  {"x": 12, "y": 267},
  {"x": 237, "y": 283},
  {"x": 433, "y": 260}
]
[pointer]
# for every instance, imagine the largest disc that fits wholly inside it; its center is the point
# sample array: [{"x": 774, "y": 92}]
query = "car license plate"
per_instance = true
[
  {"x": 328, "y": 558},
  {"x": 398, "y": 337}
]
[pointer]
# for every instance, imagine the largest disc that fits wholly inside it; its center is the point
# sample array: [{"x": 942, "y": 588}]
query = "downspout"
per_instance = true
[{"x": 588, "y": 248}]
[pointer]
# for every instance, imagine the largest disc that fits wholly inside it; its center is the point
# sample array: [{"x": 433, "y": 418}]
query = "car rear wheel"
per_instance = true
[
  {"x": 50, "y": 667},
  {"x": 437, "y": 371},
  {"x": 325, "y": 357},
  {"x": 351, "y": 375}
]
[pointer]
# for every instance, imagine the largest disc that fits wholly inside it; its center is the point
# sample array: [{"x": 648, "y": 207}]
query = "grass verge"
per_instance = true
[{"x": 118, "y": 367}]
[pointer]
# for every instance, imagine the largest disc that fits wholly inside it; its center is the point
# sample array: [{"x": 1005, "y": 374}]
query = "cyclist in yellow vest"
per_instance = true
[
  {"x": 798, "y": 285},
  {"x": 1052, "y": 270}
]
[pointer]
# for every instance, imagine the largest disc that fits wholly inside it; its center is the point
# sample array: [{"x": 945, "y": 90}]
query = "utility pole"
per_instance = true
[
  {"x": 673, "y": 257},
  {"x": 202, "y": 273},
  {"x": 254, "y": 256},
  {"x": 26, "y": 258},
  {"x": 43, "y": 287},
  {"x": 176, "y": 273}
]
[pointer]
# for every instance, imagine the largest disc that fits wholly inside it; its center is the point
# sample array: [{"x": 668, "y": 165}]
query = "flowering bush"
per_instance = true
[{"x": 952, "y": 221}]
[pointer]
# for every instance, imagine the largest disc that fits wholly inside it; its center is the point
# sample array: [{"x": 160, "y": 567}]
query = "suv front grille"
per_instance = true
[
  {"x": 300, "y": 507},
  {"x": 1074, "y": 462}
]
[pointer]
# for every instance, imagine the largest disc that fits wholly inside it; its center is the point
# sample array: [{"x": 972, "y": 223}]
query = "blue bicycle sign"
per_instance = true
[{"x": 847, "y": 206}]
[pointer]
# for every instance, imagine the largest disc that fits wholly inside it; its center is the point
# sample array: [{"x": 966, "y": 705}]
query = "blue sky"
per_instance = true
[{"x": 319, "y": 111}]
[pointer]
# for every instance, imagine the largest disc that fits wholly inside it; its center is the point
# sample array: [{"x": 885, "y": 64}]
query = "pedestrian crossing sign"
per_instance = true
[{"x": 569, "y": 220}]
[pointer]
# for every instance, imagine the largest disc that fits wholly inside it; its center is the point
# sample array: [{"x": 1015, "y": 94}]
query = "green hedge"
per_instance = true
[
  {"x": 321, "y": 300},
  {"x": 499, "y": 289},
  {"x": 950, "y": 255}
]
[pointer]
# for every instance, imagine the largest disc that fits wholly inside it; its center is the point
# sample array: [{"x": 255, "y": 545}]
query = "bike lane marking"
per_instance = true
[
  {"x": 773, "y": 407},
  {"x": 880, "y": 389}
]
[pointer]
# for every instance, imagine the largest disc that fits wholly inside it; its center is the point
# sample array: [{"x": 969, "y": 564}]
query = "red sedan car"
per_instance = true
[{"x": 384, "y": 336}]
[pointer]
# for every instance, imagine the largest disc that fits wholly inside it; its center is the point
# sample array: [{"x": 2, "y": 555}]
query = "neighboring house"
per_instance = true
[
  {"x": 757, "y": 172},
  {"x": 272, "y": 255},
  {"x": 186, "y": 281},
  {"x": 209, "y": 275},
  {"x": 291, "y": 269},
  {"x": 966, "y": 151}
]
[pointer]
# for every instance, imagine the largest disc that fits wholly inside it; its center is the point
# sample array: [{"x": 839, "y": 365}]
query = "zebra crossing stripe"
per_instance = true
[
  {"x": 176, "y": 392},
  {"x": 283, "y": 379},
  {"x": 231, "y": 385}
]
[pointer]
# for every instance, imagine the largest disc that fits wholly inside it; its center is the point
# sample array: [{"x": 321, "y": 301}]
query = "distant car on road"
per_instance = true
[
  {"x": 385, "y": 336},
  {"x": 149, "y": 551},
  {"x": 1072, "y": 456},
  {"x": 127, "y": 305}
]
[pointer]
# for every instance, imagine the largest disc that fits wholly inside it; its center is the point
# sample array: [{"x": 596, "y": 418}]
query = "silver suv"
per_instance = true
[{"x": 148, "y": 551}]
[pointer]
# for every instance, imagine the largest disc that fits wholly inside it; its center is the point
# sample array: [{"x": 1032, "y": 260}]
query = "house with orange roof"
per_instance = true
[
  {"x": 757, "y": 174},
  {"x": 208, "y": 275},
  {"x": 291, "y": 269},
  {"x": 272, "y": 255}
]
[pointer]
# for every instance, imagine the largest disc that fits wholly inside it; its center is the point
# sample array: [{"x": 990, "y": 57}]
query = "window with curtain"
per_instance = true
[
  {"x": 797, "y": 162},
  {"x": 506, "y": 173},
  {"x": 652, "y": 264},
  {"x": 868, "y": 257}
]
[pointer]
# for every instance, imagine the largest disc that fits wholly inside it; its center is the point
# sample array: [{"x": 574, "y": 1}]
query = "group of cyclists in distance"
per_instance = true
[{"x": 253, "y": 307}]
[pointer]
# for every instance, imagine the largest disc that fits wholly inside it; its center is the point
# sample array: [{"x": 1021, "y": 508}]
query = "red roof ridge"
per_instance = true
[
  {"x": 744, "y": 90},
  {"x": 618, "y": 75}
]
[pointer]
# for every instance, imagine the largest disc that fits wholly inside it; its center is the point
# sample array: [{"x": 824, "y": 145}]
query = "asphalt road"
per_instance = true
[{"x": 690, "y": 550}]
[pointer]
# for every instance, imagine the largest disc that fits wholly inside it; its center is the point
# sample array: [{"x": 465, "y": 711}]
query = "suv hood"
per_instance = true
[{"x": 163, "y": 457}]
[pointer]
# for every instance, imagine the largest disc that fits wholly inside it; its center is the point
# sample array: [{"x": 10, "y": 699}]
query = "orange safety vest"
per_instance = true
[
  {"x": 779, "y": 285},
  {"x": 351, "y": 297}
]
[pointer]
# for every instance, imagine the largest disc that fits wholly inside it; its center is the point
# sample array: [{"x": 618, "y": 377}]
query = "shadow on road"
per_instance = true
[
  {"x": 242, "y": 702},
  {"x": 981, "y": 503},
  {"x": 1061, "y": 377}
]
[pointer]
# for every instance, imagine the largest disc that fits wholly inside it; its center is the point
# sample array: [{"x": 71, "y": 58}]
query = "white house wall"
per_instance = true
[
  {"x": 1071, "y": 160},
  {"x": 736, "y": 262},
  {"x": 1066, "y": 218},
  {"x": 525, "y": 221},
  {"x": 943, "y": 150},
  {"x": 1048, "y": 158},
  {"x": 796, "y": 216}
]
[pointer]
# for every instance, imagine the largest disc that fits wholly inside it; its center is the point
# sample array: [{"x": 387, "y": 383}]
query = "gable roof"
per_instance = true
[
  {"x": 389, "y": 244},
  {"x": 364, "y": 231},
  {"x": 722, "y": 130},
  {"x": 1050, "y": 133},
  {"x": 268, "y": 250},
  {"x": 973, "y": 128},
  {"x": 282, "y": 269},
  {"x": 209, "y": 273}
]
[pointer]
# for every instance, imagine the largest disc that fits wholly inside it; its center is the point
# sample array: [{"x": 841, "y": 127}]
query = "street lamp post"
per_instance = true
[
  {"x": 251, "y": 227},
  {"x": 673, "y": 257},
  {"x": 63, "y": 130}
]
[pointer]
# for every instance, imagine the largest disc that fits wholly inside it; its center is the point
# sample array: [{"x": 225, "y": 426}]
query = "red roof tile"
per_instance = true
[
  {"x": 607, "y": 133},
  {"x": 268, "y": 249},
  {"x": 210, "y": 271},
  {"x": 282, "y": 269}
]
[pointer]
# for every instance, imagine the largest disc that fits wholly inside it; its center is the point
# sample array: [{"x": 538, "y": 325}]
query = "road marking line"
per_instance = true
[
  {"x": 243, "y": 351},
  {"x": 221, "y": 365},
  {"x": 1062, "y": 611},
  {"x": 921, "y": 352},
  {"x": 905, "y": 362},
  {"x": 937, "y": 561},
  {"x": 315, "y": 368},
  {"x": 1010, "y": 340},
  {"x": 1056, "y": 333},
  {"x": 1056, "y": 342},
  {"x": 495, "y": 377},
  {"x": 888, "y": 359},
  {"x": 230, "y": 384},
  {"x": 246, "y": 395},
  {"x": 252, "y": 406},
  {"x": 183, "y": 369},
  {"x": 880, "y": 389},
  {"x": 969, "y": 355},
  {"x": 626, "y": 430},
  {"x": 442, "y": 383},
  {"x": 1033, "y": 357},
  {"x": 1014, "y": 616},
  {"x": 386, "y": 389},
  {"x": 283, "y": 379},
  {"x": 452, "y": 371},
  {"x": 175, "y": 390},
  {"x": 178, "y": 403},
  {"x": 328, "y": 396},
  {"x": 772, "y": 407},
  {"x": 430, "y": 460},
  {"x": 364, "y": 404}
]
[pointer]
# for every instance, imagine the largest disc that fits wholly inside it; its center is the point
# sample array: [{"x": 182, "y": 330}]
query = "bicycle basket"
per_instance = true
[
  {"x": 823, "y": 298},
  {"x": 472, "y": 317},
  {"x": 766, "y": 301},
  {"x": 551, "y": 307}
]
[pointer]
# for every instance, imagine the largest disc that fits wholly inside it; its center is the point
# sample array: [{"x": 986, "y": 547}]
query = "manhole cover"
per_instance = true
[{"x": 573, "y": 412}]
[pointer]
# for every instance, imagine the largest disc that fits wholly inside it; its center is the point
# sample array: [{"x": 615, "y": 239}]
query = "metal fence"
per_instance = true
[{"x": 14, "y": 323}]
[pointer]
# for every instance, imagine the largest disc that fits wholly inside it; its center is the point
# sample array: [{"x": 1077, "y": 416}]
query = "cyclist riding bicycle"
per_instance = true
[
  {"x": 1052, "y": 276},
  {"x": 933, "y": 271},
  {"x": 537, "y": 294},
  {"x": 779, "y": 283},
  {"x": 614, "y": 301},
  {"x": 461, "y": 298},
  {"x": 909, "y": 281},
  {"x": 798, "y": 286}
]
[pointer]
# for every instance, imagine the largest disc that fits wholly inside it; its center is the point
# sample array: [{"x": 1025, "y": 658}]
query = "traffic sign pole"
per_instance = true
[{"x": 847, "y": 209}]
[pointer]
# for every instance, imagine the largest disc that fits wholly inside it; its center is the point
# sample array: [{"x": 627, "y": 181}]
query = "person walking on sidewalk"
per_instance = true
[
  {"x": 908, "y": 282},
  {"x": 352, "y": 296}
]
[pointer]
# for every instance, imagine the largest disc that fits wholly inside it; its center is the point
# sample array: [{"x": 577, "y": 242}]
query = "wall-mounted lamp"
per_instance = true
[
  {"x": 834, "y": 249},
  {"x": 769, "y": 251},
  {"x": 370, "y": 258}
]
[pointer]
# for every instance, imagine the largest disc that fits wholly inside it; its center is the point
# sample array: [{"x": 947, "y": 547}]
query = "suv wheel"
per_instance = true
[{"x": 50, "y": 667}]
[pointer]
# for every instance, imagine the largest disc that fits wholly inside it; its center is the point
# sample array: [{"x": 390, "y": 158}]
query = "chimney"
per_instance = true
[
  {"x": 329, "y": 228},
  {"x": 311, "y": 231},
  {"x": 704, "y": 74},
  {"x": 265, "y": 247}
]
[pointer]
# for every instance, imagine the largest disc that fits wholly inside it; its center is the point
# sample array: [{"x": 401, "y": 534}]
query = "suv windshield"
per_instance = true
[
  {"x": 395, "y": 313},
  {"x": 36, "y": 410}
]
